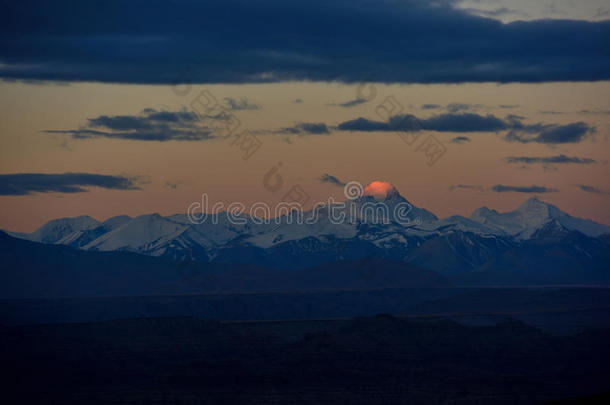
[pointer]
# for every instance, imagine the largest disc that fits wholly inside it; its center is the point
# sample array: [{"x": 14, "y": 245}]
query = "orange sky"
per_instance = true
[{"x": 216, "y": 168}]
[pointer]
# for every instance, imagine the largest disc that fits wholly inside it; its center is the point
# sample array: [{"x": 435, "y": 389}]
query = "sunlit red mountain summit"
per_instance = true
[{"x": 380, "y": 189}]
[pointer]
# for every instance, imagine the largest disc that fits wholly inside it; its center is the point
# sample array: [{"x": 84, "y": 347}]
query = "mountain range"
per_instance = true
[{"x": 535, "y": 242}]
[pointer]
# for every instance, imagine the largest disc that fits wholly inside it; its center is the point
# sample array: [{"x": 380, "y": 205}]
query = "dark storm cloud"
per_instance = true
[
  {"x": 28, "y": 183},
  {"x": 471, "y": 122},
  {"x": 466, "y": 187},
  {"x": 233, "y": 41},
  {"x": 460, "y": 139},
  {"x": 148, "y": 120},
  {"x": 430, "y": 106},
  {"x": 364, "y": 124},
  {"x": 458, "y": 107},
  {"x": 593, "y": 190},
  {"x": 149, "y": 125},
  {"x": 328, "y": 178},
  {"x": 351, "y": 103},
  {"x": 551, "y": 134},
  {"x": 241, "y": 104},
  {"x": 305, "y": 128},
  {"x": 500, "y": 188},
  {"x": 594, "y": 112},
  {"x": 466, "y": 122},
  {"x": 559, "y": 159},
  {"x": 498, "y": 12}
]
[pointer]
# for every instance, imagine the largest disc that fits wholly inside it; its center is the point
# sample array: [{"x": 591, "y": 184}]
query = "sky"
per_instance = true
[{"x": 113, "y": 109}]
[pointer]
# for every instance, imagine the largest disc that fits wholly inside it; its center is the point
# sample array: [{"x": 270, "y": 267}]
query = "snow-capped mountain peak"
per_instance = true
[
  {"x": 138, "y": 234},
  {"x": 460, "y": 223},
  {"x": 552, "y": 229},
  {"x": 532, "y": 215},
  {"x": 396, "y": 205},
  {"x": 56, "y": 229},
  {"x": 219, "y": 237},
  {"x": 481, "y": 214},
  {"x": 115, "y": 222},
  {"x": 534, "y": 206}
]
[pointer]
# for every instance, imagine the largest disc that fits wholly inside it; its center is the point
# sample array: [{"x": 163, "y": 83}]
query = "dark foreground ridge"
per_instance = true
[
  {"x": 372, "y": 360},
  {"x": 38, "y": 270}
]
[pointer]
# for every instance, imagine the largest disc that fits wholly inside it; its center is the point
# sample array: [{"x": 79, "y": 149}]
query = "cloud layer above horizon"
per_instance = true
[
  {"x": 471, "y": 122},
  {"x": 28, "y": 183},
  {"x": 235, "y": 41},
  {"x": 149, "y": 125}
]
